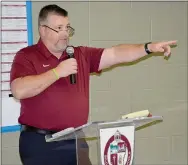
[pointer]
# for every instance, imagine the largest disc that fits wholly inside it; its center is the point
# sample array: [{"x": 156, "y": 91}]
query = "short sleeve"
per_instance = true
[
  {"x": 93, "y": 56},
  {"x": 21, "y": 66}
]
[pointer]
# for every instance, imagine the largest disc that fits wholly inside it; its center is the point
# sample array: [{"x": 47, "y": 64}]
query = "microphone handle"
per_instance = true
[
  {"x": 72, "y": 76},
  {"x": 73, "y": 79}
]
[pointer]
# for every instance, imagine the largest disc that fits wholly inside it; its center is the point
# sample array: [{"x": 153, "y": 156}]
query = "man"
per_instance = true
[{"x": 40, "y": 80}]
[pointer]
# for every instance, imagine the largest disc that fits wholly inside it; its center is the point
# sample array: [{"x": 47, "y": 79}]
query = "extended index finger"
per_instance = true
[{"x": 174, "y": 42}]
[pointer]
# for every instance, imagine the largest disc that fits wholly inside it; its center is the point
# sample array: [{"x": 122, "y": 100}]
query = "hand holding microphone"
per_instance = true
[{"x": 68, "y": 67}]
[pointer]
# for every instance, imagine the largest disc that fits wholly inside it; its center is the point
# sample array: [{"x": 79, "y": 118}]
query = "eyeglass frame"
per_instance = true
[{"x": 73, "y": 30}]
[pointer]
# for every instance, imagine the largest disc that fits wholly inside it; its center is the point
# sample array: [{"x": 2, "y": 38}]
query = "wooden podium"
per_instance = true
[{"x": 115, "y": 139}]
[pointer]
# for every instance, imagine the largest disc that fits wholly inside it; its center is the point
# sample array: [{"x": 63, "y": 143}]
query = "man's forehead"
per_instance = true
[{"x": 58, "y": 19}]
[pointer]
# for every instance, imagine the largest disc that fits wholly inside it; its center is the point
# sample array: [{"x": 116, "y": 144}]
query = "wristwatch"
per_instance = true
[{"x": 146, "y": 48}]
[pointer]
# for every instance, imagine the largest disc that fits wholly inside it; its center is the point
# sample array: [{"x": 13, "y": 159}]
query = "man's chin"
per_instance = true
[
  {"x": 61, "y": 46},
  {"x": 61, "y": 49}
]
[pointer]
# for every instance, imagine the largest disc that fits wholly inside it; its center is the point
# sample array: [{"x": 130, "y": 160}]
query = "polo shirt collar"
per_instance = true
[{"x": 43, "y": 49}]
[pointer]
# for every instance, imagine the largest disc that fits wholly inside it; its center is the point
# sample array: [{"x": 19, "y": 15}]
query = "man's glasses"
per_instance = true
[{"x": 69, "y": 29}]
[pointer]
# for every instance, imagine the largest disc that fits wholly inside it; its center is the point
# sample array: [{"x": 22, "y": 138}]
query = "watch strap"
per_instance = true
[{"x": 146, "y": 48}]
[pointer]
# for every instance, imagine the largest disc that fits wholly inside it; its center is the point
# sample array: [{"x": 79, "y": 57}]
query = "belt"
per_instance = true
[{"x": 37, "y": 130}]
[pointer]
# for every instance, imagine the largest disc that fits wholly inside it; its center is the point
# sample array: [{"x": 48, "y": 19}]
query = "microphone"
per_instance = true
[{"x": 70, "y": 53}]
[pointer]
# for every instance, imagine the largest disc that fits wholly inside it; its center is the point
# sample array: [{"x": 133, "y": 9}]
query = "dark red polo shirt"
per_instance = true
[{"x": 61, "y": 105}]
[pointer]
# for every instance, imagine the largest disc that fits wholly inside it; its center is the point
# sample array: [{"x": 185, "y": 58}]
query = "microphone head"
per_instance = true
[{"x": 70, "y": 50}]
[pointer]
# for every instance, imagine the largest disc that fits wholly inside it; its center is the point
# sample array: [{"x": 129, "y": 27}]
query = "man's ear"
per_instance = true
[{"x": 41, "y": 31}]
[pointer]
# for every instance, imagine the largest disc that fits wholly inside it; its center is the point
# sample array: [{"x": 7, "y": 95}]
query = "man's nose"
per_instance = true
[{"x": 64, "y": 33}]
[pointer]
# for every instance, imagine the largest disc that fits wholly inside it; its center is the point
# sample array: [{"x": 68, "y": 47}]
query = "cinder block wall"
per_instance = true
[{"x": 156, "y": 84}]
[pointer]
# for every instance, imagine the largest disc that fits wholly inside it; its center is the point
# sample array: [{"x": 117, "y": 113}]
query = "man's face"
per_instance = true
[{"x": 56, "y": 32}]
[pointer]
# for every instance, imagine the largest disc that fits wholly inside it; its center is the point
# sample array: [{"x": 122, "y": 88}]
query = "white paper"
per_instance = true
[
  {"x": 14, "y": 24},
  {"x": 5, "y": 77},
  {"x": 11, "y": 11},
  {"x": 10, "y": 110},
  {"x": 6, "y": 67},
  {"x": 5, "y": 86},
  {"x": 14, "y": 36},
  {"x": 7, "y": 58},
  {"x": 63, "y": 132},
  {"x": 13, "y": 48}
]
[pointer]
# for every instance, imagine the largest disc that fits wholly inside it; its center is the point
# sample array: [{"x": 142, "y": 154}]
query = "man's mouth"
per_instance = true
[{"x": 64, "y": 39}]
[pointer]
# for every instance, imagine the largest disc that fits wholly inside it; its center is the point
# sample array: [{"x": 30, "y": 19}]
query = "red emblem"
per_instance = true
[{"x": 117, "y": 150}]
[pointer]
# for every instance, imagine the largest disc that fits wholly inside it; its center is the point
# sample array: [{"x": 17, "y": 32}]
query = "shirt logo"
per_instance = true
[{"x": 46, "y": 65}]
